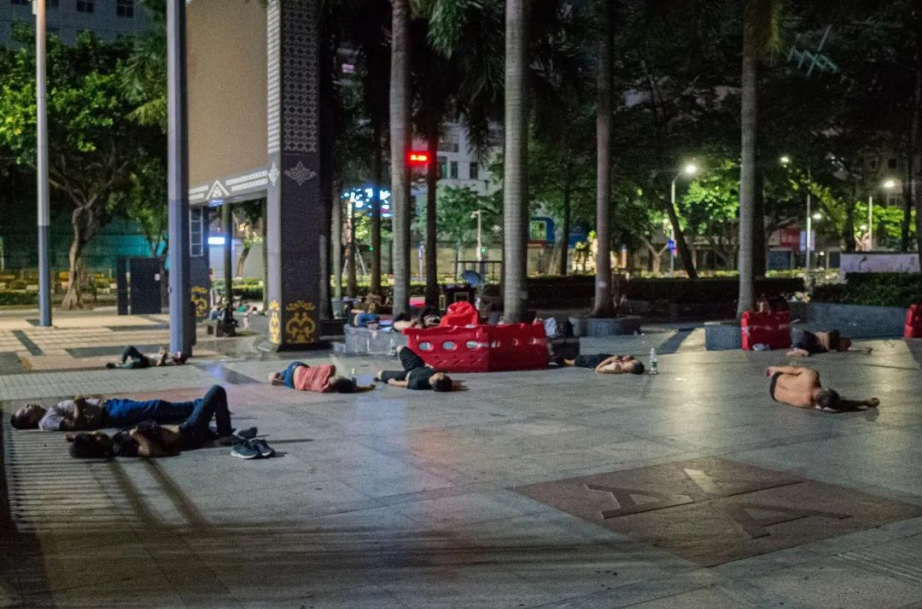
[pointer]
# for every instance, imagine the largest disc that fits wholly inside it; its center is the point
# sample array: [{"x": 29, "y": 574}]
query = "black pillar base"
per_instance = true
[{"x": 270, "y": 347}]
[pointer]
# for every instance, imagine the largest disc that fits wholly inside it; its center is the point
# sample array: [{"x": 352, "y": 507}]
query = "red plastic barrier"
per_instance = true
[
  {"x": 913, "y": 327},
  {"x": 481, "y": 348},
  {"x": 460, "y": 313},
  {"x": 772, "y": 329}
]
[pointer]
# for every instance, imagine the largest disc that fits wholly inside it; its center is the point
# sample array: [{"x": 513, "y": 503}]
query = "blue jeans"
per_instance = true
[
  {"x": 122, "y": 412},
  {"x": 195, "y": 430}
]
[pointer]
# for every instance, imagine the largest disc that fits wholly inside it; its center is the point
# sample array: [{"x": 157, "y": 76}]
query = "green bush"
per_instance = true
[
  {"x": 17, "y": 284},
  {"x": 873, "y": 289},
  {"x": 8, "y": 298},
  {"x": 704, "y": 291}
]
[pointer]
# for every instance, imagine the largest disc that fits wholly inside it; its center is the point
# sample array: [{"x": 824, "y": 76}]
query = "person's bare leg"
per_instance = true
[
  {"x": 799, "y": 353},
  {"x": 569, "y": 362}
]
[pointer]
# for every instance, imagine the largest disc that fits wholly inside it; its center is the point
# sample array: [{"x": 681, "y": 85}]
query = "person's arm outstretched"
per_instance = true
[
  {"x": 396, "y": 383},
  {"x": 794, "y": 370},
  {"x": 606, "y": 362}
]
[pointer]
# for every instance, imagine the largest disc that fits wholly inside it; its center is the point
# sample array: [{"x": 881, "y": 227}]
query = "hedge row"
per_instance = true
[
  {"x": 873, "y": 289},
  {"x": 705, "y": 291},
  {"x": 18, "y": 298}
]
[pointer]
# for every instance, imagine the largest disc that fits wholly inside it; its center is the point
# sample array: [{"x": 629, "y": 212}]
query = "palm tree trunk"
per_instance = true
[
  {"x": 400, "y": 142},
  {"x": 376, "y": 169},
  {"x": 515, "y": 184},
  {"x": 759, "y": 240},
  {"x": 917, "y": 143},
  {"x": 432, "y": 176},
  {"x": 352, "y": 284},
  {"x": 565, "y": 233},
  {"x": 749, "y": 125},
  {"x": 603, "y": 303},
  {"x": 336, "y": 243}
]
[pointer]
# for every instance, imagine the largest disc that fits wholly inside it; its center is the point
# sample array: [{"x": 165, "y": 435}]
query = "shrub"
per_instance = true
[
  {"x": 17, "y": 284},
  {"x": 8, "y": 298},
  {"x": 873, "y": 289},
  {"x": 704, "y": 291}
]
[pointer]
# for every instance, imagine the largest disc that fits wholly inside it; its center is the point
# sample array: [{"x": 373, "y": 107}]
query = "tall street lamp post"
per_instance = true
[
  {"x": 182, "y": 326},
  {"x": 41, "y": 166},
  {"x": 808, "y": 238},
  {"x": 689, "y": 170},
  {"x": 887, "y": 185}
]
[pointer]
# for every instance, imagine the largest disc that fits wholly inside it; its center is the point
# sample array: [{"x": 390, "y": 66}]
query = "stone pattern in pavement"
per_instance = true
[{"x": 400, "y": 499}]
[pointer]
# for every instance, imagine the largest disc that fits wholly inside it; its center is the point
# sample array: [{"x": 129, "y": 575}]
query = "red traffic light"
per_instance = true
[{"x": 419, "y": 158}]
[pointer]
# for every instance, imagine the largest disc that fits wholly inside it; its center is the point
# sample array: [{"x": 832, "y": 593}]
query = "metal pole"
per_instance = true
[
  {"x": 809, "y": 240},
  {"x": 479, "y": 235},
  {"x": 41, "y": 166},
  {"x": 672, "y": 233},
  {"x": 227, "y": 227},
  {"x": 182, "y": 327},
  {"x": 870, "y": 223}
]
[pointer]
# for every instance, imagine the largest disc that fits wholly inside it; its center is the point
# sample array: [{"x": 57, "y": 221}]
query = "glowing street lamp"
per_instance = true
[
  {"x": 689, "y": 170},
  {"x": 888, "y": 184}
]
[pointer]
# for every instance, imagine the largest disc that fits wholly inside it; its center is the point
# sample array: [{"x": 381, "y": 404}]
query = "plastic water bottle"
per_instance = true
[{"x": 653, "y": 363}]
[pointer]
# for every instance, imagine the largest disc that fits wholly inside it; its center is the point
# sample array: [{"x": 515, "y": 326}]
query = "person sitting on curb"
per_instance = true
[
  {"x": 150, "y": 439},
  {"x": 823, "y": 342},
  {"x": 603, "y": 363},
  {"x": 95, "y": 413},
  {"x": 801, "y": 387},
  {"x": 132, "y": 359},
  {"x": 415, "y": 374},
  {"x": 321, "y": 379}
]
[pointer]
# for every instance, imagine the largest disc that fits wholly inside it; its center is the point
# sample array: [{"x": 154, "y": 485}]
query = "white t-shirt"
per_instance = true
[{"x": 62, "y": 411}]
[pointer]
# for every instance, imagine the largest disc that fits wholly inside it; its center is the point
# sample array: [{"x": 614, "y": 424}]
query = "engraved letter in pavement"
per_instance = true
[
  {"x": 627, "y": 505},
  {"x": 755, "y": 527}
]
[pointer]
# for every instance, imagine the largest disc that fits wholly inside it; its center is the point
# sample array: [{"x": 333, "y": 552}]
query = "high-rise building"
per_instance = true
[{"x": 108, "y": 19}]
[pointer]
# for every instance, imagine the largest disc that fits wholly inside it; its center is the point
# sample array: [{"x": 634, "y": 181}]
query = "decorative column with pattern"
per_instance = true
[{"x": 295, "y": 205}]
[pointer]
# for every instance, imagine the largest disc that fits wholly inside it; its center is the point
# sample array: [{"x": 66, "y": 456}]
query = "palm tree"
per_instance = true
[
  {"x": 515, "y": 183},
  {"x": 603, "y": 301},
  {"x": 400, "y": 140},
  {"x": 761, "y": 23}
]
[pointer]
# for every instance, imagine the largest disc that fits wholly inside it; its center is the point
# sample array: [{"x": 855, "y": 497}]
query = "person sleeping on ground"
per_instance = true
[
  {"x": 151, "y": 439},
  {"x": 823, "y": 342},
  {"x": 415, "y": 374},
  {"x": 320, "y": 379},
  {"x": 133, "y": 359},
  {"x": 801, "y": 387},
  {"x": 83, "y": 413},
  {"x": 603, "y": 363}
]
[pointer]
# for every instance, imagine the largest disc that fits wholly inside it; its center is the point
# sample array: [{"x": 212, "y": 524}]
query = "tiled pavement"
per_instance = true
[{"x": 399, "y": 499}]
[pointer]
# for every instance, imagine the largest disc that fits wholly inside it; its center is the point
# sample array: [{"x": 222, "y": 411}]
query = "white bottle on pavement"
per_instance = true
[{"x": 653, "y": 362}]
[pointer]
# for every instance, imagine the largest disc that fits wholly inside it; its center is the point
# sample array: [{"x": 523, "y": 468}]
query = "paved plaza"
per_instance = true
[{"x": 554, "y": 489}]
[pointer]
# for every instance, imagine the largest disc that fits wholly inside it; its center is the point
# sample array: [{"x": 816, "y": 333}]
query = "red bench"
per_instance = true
[
  {"x": 481, "y": 348},
  {"x": 913, "y": 327},
  {"x": 772, "y": 329}
]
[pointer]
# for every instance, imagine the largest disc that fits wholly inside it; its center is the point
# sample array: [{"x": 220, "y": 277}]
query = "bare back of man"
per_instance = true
[{"x": 801, "y": 387}]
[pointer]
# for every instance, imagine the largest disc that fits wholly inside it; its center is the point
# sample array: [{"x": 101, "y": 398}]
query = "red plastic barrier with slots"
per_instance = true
[
  {"x": 481, "y": 348},
  {"x": 460, "y": 313},
  {"x": 772, "y": 329},
  {"x": 913, "y": 327}
]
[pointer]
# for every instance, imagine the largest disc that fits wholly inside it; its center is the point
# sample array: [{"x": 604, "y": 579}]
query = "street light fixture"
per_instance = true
[
  {"x": 817, "y": 217},
  {"x": 785, "y": 160},
  {"x": 689, "y": 170},
  {"x": 888, "y": 184}
]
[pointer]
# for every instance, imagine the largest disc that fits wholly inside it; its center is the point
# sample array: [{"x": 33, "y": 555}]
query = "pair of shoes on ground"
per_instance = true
[{"x": 253, "y": 448}]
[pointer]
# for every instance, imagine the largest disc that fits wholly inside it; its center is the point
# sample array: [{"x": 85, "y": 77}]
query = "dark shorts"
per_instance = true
[
  {"x": 590, "y": 361},
  {"x": 774, "y": 383},
  {"x": 809, "y": 343}
]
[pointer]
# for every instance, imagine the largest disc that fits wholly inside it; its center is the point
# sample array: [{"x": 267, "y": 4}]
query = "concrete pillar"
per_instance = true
[{"x": 295, "y": 204}]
